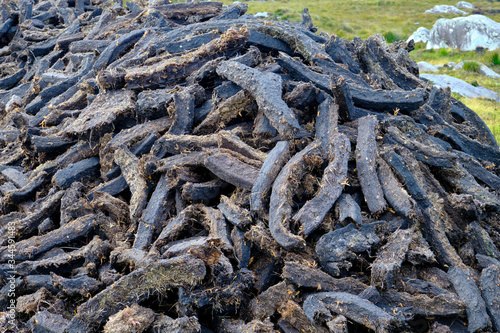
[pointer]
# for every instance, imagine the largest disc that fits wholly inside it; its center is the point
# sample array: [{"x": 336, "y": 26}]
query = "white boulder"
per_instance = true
[
  {"x": 486, "y": 71},
  {"x": 465, "y": 5},
  {"x": 445, "y": 9},
  {"x": 460, "y": 87},
  {"x": 424, "y": 66},
  {"x": 421, "y": 35},
  {"x": 465, "y": 33}
]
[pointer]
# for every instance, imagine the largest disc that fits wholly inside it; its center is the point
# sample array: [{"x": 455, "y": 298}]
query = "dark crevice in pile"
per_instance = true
[{"x": 188, "y": 168}]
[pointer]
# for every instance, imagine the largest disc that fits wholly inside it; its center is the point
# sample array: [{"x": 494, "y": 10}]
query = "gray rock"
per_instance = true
[
  {"x": 465, "y": 5},
  {"x": 458, "y": 66},
  {"x": 483, "y": 70},
  {"x": 445, "y": 9},
  {"x": 465, "y": 33},
  {"x": 460, "y": 87},
  {"x": 424, "y": 66},
  {"x": 421, "y": 35}
]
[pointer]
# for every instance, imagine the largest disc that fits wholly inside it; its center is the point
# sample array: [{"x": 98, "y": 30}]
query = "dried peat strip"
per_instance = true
[
  {"x": 178, "y": 160},
  {"x": 443, "y": 305},
  {"x": 337, "y": 49},
  {"x": 267, "y": 303},
  {"x": 224, "y": 113},
  {"x": 29, "y": 190},
  {"x": 293, "y": 317},
  {"x": 228, "y": 167},
  {"x": 179, "y": 144},
  {"x": 445, "y": 253},
  {"x": 280, "y": 209},
  {"x": 174, "y": 228},
  {"x": 191, "y": 11},
  {"x": 462, "y": 142},
  {"x": 183, "y": 271},
  {"x": 300, "y": 72},
  {"x": 129, "y": 138},
  {"x": 478, "y": 170},
  {"x": 65, "y": 263},
  {"x": 395, "y": 194},
  {"x": 300, "y": 41},
  {"x": 327, "y": 126},
  {"x": 266, "y": 89},
  {"x": 32, "y": 247},
  {"x": 202, "y": 191},
  {"x": 366, "y": 152},
  {"x": 374, "y": 58},
  {"x": 310, "y": 277},
  {"x": 84, "y": 170},
  {"x": 115, "y": 49},
  {"x": 238, "y": 216},
  {"x": 462, "y": 181},
  {"x": 388, "y": 100},
  {"x": 154, "y": 214},
  {"x": 357, "y": 309},
  {"x": 481, "y": 241},
  {"x": 184, "y": 112},
  {"x": 274, "y": 162},
  {"x": 129, "y": 164},
  {"x": 466, "y": 288},
  {"x": 41, "y": 209},
  {"x": 242, "y": 247},
  {"x": 175, "y": 70},
  {"x": 103, "y": 112},
  {"x": 217, "y": 226},
  {"x": 386, "y": 266},
  {"x": 347, "y": 210},
  {"x": 490, "y": 290},
  {"x": 231, "y": 141},
  {"x": 314, "y": 211},
  {"x": 431, "y": 155},
  {"x": 262, "y": 239}
]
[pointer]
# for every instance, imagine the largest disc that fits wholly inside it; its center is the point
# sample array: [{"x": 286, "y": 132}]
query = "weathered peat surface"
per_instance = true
[{"x": 189, "y": 168}]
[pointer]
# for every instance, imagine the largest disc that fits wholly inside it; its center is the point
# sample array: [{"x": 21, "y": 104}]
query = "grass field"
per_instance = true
[{"x": 396, "y": 20}]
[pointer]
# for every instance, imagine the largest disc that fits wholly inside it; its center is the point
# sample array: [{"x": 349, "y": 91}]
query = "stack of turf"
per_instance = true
[{"x": 188, "y": 168}]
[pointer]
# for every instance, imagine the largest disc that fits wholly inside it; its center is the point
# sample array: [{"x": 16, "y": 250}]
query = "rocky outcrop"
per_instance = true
[
  {"x": 424, "y": 66},
  {"x": 465, "y": 5},
  {"x": 421, "y": 35},
  {"x": 445, "y": 9},
  {"x": 465, "y": 33},
  {"x": 460, "y": 87}
]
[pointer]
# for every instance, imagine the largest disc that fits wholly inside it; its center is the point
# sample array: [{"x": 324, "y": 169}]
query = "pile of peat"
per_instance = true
[{"x": 188, "y": 168}]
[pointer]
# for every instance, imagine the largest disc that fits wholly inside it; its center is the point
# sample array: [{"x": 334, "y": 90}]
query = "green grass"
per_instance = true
[
  {"x": 471, "y": 66},
  {"x": 495, "y": 59}
]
